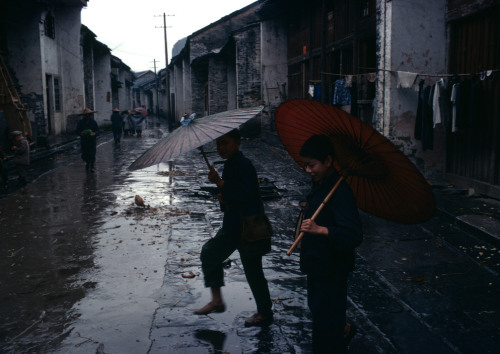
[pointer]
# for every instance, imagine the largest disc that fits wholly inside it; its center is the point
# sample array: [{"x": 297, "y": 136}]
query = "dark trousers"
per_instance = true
[
  {"x": 327, "y": 300},
  {"x": 4, "y": 174},
  {"x": 216, "y": 250},
  {"x": 21, "y": 172},
  {"x": 117, "y": 135}
]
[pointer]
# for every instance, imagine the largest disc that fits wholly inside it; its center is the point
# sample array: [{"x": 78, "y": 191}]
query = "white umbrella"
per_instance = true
[{"x": 197, "y": 133}]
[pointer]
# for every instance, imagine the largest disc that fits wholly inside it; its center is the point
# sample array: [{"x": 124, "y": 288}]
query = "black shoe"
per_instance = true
[{"x": 259, "y": 320}]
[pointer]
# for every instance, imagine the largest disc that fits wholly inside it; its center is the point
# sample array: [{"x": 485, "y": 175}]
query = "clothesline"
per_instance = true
[
  {"x": 419, "y": 74},
  {"x": 401, "y": 71},
  {"x": 335, "y": 74}
]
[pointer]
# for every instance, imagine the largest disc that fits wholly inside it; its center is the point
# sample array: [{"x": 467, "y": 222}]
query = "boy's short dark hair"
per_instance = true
[
  {"x": 234, "y": 134},
  {"x": 318, "y": 147}
]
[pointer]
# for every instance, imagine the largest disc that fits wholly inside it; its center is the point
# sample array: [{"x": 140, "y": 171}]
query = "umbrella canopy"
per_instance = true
[
  {"x": 384, "y": 182},
  {"x": 198, "y": 132}
]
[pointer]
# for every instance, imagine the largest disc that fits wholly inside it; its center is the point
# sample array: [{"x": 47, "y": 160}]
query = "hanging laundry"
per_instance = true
[
  {"x": 424, "y": 120},
  {"x": 317, "y": 92},
  {"x": 455, "y": 89},
  {"x": 406, "y": 79},
  {"x": 439, "y": 102},
  {"x": 420, "y": 109},
  {"x": 348, "y": 81},
  {"x": 311, "y": 90},
  {"x": 341, "y": 94}
]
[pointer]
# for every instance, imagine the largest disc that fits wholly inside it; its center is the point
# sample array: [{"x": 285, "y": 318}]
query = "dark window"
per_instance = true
[
  {"x": 368, "y": 8},
  {"x": 49, "y": 26},
  {"x": 57, "y": 95}
]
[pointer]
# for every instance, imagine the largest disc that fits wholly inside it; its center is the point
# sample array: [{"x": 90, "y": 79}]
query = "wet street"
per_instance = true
[{"x": 86, "y": 270}]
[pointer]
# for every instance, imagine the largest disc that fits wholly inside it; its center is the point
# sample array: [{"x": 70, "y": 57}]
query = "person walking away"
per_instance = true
[
  {"x": 239, "y": 195},
  {"x": 327, "y": 248},
  {"x": 137, "y": 119},
  {"x": 127, "y": 123},
  {"x": 21, "y": 157},
  {"x": 4, "y": 174},
  {"x": 116, "y": 125},
  {"x": 88, "y": 130}
]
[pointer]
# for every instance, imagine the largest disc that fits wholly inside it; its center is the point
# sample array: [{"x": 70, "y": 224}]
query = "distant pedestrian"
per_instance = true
[
  {"x": 327, "y": 249},
  {"x": 137, "y": 120},
  {"x": 239, "y": 197},
  {"x": 127, "y": 123},
  {"x": 4, "y": 175},
  {"x": 186, "y": 119},
  {"x": 88, "y": 130},
  {"x": 117, "y": 125},
  {"x": 21, "y": 159}
]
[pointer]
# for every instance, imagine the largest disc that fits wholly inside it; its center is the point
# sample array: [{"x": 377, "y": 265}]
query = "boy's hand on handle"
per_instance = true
[
  {"x": 309, "y": 226},
  {"x": 214, "y": 177}
]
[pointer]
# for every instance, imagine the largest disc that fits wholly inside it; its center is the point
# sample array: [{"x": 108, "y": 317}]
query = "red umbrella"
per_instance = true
[{"x": 384, "y": 182}]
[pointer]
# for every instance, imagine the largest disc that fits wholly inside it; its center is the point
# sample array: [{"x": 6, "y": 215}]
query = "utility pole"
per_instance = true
[
  {"x": 167, "y": 82},
  {"x": 157, "y": 89}
]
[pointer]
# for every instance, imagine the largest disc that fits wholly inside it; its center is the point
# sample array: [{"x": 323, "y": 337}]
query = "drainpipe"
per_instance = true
[
  {"x": 387, "y": 66},
  {"x": 383, "y": 77}
]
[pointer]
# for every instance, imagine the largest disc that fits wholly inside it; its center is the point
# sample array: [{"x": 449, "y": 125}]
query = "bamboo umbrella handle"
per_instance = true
[
  {"x": 316, "y": 213},
  {"x": 204, "y": 156}
]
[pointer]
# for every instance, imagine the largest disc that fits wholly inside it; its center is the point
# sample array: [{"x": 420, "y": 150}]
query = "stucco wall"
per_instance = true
[
  {"x": 24, "y": 63},
  {"x": 68, "y": 25},
  {"x": 274, "y": 67},
  {"x": 217, "y": 84},
  {"x": 102, "y": 84},
  {"x": 248, "y": 67},
  {"x": 412, "y": 38}
]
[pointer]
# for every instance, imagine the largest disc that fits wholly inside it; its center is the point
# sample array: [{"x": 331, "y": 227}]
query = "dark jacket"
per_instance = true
[
  {"x": 83, "y": 125},
  {"x": 88, "y": 142},
  {"x": 319, "y": 254},
  {"x": 116, "y": 122},
  {"x": 22, "y": 152},
  {"x": 240, "y": 191},
  {"x": 241, "y": 196}
]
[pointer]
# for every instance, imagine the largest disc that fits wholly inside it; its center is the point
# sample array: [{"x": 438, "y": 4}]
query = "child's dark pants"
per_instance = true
[{"x": 216, "y": 250}]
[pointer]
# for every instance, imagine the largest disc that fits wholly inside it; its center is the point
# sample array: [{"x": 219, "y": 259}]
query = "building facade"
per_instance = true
[{"x": 58, "y": 67}]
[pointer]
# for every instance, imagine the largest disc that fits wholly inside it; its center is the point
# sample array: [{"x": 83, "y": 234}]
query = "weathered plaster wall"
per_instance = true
[
  {"x": 248, "y": 67},
  {"x": 68, "y": 26},
  {"x": 186, "y": 106},
  {"x": 178, "y": 90},
  {"x": 102, "y": 84},
  {"x": 199, "y": 77},
  {"x": 249, "y": 74},
  {"x": 232, "y": 88},
  {"x": 412, "y": 38},
  {"x": 274, "y": 67},
  {"x": 23, "y": 43},
  {"x": 217, "y": 84}
]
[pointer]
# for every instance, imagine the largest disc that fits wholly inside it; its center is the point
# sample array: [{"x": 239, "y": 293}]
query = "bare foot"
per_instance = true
[{"x": 209, "y": 308}]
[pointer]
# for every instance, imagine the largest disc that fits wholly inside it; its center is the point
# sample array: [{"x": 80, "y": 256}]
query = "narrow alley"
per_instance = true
[{"x": 84, "y": 269}]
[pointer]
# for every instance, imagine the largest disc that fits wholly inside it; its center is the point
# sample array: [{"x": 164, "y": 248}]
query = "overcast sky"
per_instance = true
[{"x": 133, "y": 29}]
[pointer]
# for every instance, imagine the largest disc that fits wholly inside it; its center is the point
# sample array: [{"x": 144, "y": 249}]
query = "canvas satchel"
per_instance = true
[{"x": 256, "y": 227}]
